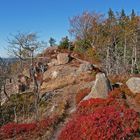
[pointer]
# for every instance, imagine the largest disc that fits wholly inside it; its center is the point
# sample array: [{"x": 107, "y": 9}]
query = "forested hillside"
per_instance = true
[
  {"x": 83, "y": 88},
  {"x": 115, "y": 38}
]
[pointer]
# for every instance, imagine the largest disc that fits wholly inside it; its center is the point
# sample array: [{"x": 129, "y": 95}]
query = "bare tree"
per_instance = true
[
  {"x": 4, "y": 75},
  {"x": 23, "y": 46},
  {"x": 86, "y": 27}
]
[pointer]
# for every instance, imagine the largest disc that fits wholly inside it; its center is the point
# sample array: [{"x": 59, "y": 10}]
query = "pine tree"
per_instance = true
[
  {"x": 52, "y": 41},
  {"x": 64, "y": 43},
  {"x": 133, "y": 14}
]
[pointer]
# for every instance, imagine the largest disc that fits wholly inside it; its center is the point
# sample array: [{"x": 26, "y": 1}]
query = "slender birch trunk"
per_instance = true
[
  {"x": 124, "y": 51},
  {"x": 107, "y": 61}
]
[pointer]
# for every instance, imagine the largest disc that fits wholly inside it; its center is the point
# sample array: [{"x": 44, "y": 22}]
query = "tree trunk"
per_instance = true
[
  {"x": 36, "y": 93},
  {"x": 132, "y": 62},
  {"x": 4, "y": 90},
  {"x": 32, "y": 56},
  {"x": 116, "y": 60},
  {"x": 21, "y": 63},
  {"x": 124, "y": 52},
  {"x": 134, "y": 55},
  {"x": 15, "y": 115},
  {"x": 107, "y": 61}
]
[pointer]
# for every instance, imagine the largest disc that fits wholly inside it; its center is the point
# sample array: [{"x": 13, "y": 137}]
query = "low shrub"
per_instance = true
[
  {"x": 106, "y": 123},
  {"x": 12, "y": 129},
  {"x": 102, "y": 119},
  {"x": 137, "y": 99},
  {"x": 81, "y": 94},
  {"x": 126, "y": 90},
  {"x": 92, "y": 55},
  {"x": 27, "y": 130}
]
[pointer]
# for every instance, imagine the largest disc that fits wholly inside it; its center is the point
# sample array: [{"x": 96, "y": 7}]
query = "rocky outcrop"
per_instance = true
[
  {"x": 62, "y": 58},
  {"x": 23, "y": 83},
  {"x": 134, "y": 85},
  {"x": 46, "y": 96},
  {"x": 54, "y": 74},
  {"x": 101, "y": 87},
  {"x": 85, "y": 67},
  {"x": 53, "y": 62}
]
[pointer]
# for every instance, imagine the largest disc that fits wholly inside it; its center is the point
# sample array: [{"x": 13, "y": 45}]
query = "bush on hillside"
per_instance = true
[
  {"x": 27, "y": 130},
  {"x": 66, "y": 44},
  {"x": 104, "y": 119},
  {"x": 104, "y": 124},
  {"x": 84, "y": 44},
  {"x": 81, "y": 94}
]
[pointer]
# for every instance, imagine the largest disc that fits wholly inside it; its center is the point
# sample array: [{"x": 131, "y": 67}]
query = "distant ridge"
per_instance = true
[{"x": 10, "y": 60}]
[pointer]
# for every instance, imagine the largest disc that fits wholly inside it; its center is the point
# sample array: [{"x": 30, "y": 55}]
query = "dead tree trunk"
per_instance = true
[
  {"x": 132, "y": 62},
  {"x": 15, "y": 115},
  {"x": 108, "y": 60},
  {"x": 36, "y": 94},
  {"x": 134, "y": 55},
  {"x": 124, "y": 53},
  {"x": 4, "y": 90}
]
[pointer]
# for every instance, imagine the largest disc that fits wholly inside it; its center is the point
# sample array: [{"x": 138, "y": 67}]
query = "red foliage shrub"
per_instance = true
[
  {"x": 115, "y": 93},
  {"x": 11, "y": 129},
  {"x": 104, "y": 124},
  {"x": 91, "y": 105},
  {"x": 126, "y": 90},
  {"x": 81, "y": 94},
  {"x": 45, "y": 124},
  {"x": 37, "y": 128},
  {"x": 102, "y": 119}
]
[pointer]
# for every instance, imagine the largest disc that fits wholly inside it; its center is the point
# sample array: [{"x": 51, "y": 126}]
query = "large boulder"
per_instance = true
[
  {"x": 85, "y": 67},
  {"x": 23, "y": 83},
  {"x": 134, "y": 85},
  {"x": 101, "y": 87},
  {"x": 26, "y": 72},
  {"x": 63, "y": 58},
  {"x": 54, "y": 74},
  {"x": 53, "y": 62}
]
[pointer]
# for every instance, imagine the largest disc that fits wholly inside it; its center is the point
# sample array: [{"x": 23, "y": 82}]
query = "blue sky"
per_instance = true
[{"x": 50, "y": 18}]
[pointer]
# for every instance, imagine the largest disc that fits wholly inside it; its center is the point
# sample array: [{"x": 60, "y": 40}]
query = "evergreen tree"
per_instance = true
[
  {"x": 115, "y": 38},
  {"x": 64, "y": 43},
  {"x": 133, "y": 14},
  {"x": 52, "y": 41},
  {"x": 111, "y": 15}
]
